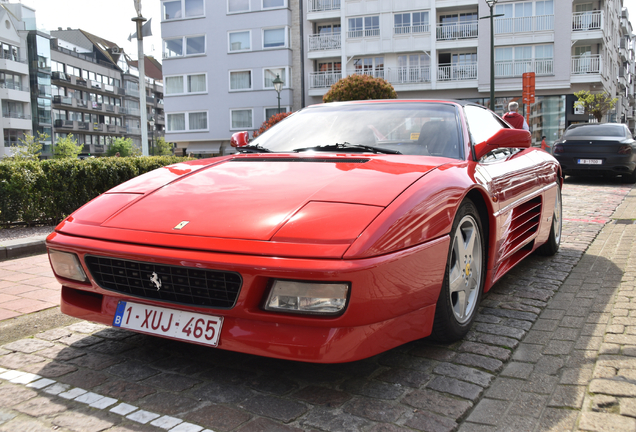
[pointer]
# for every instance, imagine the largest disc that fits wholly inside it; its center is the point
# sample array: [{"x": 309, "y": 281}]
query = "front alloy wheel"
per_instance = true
[{"x": 464, "y": 278}]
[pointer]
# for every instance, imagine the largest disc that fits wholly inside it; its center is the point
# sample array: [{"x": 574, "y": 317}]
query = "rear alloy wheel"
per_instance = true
[
  {"x": 551, "y": 246},
  {"x": 464, "y": 277}
]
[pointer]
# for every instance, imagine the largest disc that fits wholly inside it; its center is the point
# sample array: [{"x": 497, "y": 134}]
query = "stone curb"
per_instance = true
[{"x": 11, "y": 249}]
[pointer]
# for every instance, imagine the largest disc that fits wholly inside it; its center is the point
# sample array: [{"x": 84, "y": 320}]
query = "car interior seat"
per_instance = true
[{"x": 440, "y": 138}]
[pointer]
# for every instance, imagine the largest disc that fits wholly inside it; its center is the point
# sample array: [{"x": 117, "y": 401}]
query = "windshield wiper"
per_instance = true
[
  {"x": 347, "y": 146},
  {"x": 253, "y": 149}
]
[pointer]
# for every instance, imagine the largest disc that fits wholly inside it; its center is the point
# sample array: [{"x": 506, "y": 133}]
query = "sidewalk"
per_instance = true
[{"x": 576, "y": 367}]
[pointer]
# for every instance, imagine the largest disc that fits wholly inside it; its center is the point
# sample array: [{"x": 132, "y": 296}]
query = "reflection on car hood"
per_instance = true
[{"x": 252, "y": 196}]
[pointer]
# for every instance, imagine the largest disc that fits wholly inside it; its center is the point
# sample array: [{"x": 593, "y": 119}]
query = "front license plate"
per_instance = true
[
  {"x": 187, "y": 326},
  {"x": 590, "y": 161}
]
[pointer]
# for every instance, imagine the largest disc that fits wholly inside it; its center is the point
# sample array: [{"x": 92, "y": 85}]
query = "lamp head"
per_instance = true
[
  {"x": 491, "y": 3},
  {"x": 278, "y": 83}
]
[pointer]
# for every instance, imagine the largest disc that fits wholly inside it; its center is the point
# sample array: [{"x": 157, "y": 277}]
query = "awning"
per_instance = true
[{"x": 203, "y": 148}]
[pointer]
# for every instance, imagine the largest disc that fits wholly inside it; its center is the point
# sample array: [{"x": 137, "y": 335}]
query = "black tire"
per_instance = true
[
  {"x": 551, "y": 246},
  {"x": 464, "y": 277}
]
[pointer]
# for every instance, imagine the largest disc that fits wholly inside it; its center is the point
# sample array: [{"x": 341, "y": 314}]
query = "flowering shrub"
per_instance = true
[
  {"x": 269, "y": 123},
  {"x": 359, "y": 87}
]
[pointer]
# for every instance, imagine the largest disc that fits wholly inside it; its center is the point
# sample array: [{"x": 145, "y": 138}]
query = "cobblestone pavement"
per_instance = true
[{"x": 553, "y": 348}]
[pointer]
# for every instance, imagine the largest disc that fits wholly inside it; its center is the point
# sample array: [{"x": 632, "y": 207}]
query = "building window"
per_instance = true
[
  {"x": 373, "y": 66},
  {"x": 273, "y": 111},
  {"x": 241, "y": 80},
  {"x": 240, "y": 41},
  {"x": 174, "y": 85},
  {"x": 198, "y": 121},
  {"x": 269, "y": 75},
  {"x": 515, "y": 61},
  {"x": 416, "y": 22},
  {"x": 525, "y": 17},
  {"x": 241, "y": 119},
  {"x": 273, "y": 38},
  {"x": 364, "y": 26},
  {"x": 197, "y": 83},
  {"x": 195, "y": 121},
  {"x": 194, "y": 45},
  {"x": 238, "y": 6},
  {"x": 179, "y": 9},
  {"x": 269, "y": 4},
  {"x": 182, "y": 84},
  {"x": 176, "y": 122}
]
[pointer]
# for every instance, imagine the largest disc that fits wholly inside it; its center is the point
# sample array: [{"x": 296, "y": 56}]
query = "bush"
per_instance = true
[
  {"x": 47, "y": 191},
  {"x": 270, "y": 122},
  {"x": 123, "y": 146},
  {"x": 67, "y": 147},
  {"x": 359, "y": 87}
]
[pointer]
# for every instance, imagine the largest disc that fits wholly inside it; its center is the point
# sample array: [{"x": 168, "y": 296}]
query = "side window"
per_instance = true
[{"x": 481, "y": 123}]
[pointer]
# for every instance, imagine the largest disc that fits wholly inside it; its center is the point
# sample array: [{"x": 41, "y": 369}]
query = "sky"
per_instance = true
[{"x": 108, "y": 19}]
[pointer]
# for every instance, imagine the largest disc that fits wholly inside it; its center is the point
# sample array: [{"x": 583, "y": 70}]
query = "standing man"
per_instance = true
[{"x": 515, "y": 119}]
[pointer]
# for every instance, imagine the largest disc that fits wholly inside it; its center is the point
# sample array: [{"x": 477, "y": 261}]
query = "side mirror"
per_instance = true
[
  {"x": 506, "y": 138},
  {"x": 239, "y": 139}
]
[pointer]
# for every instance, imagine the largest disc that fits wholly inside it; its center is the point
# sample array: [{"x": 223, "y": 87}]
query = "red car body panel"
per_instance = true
[{"x": 378, "y": 222}]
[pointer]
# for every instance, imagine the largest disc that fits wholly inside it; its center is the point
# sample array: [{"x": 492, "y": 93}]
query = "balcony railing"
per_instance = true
[
  {"x": 424, "y": 28},
  {"x": 524, "y": 24},
  {"x": 324, "y": 42},
  {"x": 323, "y": 79},
  {"x": 323, "y": 5},
  {"x": 13, "y": 86},
  {"x": 409, "y": 75},
  {"x": 375, "y": 73},
  {"x": 457, "y": 72},
  {"x": 59, "y": 123},
  {"x": 590, "y": 64},
  {"x": 363, "y": 33},
  {"x": 16, "y": 115},
  {"x": 582, "y": 21},
  {"x": 66, "y": 100},
  {"x": 516, "y": 68},
  {"x": 456, "y": 31}
]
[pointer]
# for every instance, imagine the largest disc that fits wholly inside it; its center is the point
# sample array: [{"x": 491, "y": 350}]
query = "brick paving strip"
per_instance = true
[{"x": 525, "y": 365}]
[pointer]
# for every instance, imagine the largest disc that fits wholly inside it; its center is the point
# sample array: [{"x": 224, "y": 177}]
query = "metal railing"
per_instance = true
[
  {"x": 582, "y": 21},
  {"x": 409, "y": 75},
  {"x": 324, "y": 42},
  {"x": 323, "y": 5},
  {"x": 424, "y": 28},
  {"x": 457, "y": 72},
  {"x": 66, "y": 100},
  {"x": 516, "y": 68},
  {"x": 375, "y": 73},
  {"x": 524, "y": 24},
  {"x": 590, "y": 64},
  {"x": 14, "y": 86},
  {"x": 323, "y": 79},
  {"x": 456, "y": 31},
  {"x": 352, "y": 34},
  {"x": 16, "y": 115}
]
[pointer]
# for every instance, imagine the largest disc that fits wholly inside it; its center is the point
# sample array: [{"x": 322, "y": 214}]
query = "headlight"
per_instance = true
[
  {"x": 307, "y": 297},
  {"x": 67, "y": 265}
]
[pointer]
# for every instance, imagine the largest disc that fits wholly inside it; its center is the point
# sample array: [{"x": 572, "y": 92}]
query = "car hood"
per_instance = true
[{"x": 251, "y": 196}]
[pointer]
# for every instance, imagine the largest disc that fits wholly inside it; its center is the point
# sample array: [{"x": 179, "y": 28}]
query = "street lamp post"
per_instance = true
[
  {"x": 278, "y": 86},
  {"x": 152, "y": 139},
  {"x": 491, "y": 4}
]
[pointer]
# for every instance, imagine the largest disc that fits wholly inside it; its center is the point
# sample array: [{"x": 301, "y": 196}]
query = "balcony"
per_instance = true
[
  {"x": 82, "y": 125},
  {"x": 324, "y": 42},
  {"x": 457, "y": 72},
  {"x": 590, "y": 64},
  {"x": 60, "y": 76},
  {"x": 524, "y": 24},
  {"x": 67, "y": 124},
  {"x": 407, "y": 30},
  {"x": 355, "y": 34},
  {"x": 319, "y": 80},
  {"x": 63, "y": 100},
  {"x": 516, "y": 68},
  {"x": 98, "y": 127},
  {"x": 14, "y": 92},
  {"x": 456, "y": 31},
  {"x": 585, "y": 21},
  {"x": 323, "y": 5},
  {"x": 409, "y": 75}
]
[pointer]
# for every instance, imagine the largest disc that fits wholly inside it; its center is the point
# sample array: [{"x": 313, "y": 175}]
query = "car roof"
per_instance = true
[
  {"x": 578, "y": 125},
  {"x": 398, "y": 101}
]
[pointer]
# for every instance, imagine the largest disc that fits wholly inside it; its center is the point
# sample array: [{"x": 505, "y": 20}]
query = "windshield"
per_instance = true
[
  {"x": 407, "y": 128},
  {"x": 596, "y": 130}
]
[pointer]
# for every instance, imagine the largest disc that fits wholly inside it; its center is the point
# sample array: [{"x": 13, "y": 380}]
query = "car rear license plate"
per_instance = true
[
  {"x": 182, "y": 325},
  {"x": 590, "y": 161}
]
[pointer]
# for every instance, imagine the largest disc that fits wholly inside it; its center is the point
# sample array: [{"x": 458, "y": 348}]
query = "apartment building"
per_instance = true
[
  {"x": 220, "y": 60},
  {"x": 16, "y": 120},
  {"x": 441, "y": 49}
]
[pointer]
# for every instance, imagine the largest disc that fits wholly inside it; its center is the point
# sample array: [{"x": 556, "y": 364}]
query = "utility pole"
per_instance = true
[{"x": 139, "y": 20}]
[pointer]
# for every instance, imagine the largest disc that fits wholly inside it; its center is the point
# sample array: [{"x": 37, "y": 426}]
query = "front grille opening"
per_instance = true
[{"x": 174, "y": 284}]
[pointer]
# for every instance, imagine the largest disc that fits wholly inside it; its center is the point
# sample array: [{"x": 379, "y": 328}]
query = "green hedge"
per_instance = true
[{"x": 47, "y": 191}]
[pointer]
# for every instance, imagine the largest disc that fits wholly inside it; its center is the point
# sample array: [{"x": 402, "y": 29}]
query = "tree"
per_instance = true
[
  {"x": 597, "y": 104},
  {"x": 30, "y": 147},
  {"x": 67, "y": 148},
  {"x": 270, "y": 122},
  {"x": 162, "y": 148},
  {"x": 123, "y": 146},
  {"x": 360, "y": 87}
]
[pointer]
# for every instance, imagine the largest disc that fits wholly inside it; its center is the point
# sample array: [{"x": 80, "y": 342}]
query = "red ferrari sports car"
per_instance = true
[{"x": 343, "y": 231}]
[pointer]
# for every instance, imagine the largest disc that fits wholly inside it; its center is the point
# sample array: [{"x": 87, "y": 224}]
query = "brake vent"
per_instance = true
[{"x": 524, "y": 224}]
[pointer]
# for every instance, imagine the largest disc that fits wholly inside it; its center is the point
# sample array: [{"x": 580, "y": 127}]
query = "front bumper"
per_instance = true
[
  {"x": 614, "y": 164},
  {"x": 392, "y": 298}
]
